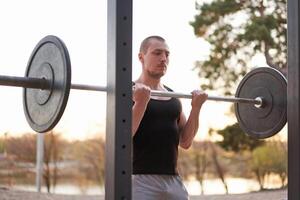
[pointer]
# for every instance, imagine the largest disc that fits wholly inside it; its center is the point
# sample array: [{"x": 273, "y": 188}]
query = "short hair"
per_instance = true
[{"x": 146, "y": 42}]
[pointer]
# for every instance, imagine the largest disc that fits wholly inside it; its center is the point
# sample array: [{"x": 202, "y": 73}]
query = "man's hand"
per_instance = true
[
  {"x": 141, "y": 93},
  {"x": 198, "y": 98}
]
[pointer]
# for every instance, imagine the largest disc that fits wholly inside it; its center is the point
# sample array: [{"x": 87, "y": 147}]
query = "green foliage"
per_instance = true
[
  {"x": 234, "y": 139},
  {"x": 2, "y": 145},
  {"x": 237, "y": 30},
  {"x": 270, "y": 158},
  {"x": 211, "y": 13}
]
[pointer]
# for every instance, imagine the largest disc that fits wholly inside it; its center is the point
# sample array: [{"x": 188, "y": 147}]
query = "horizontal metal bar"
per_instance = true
[
  {"x": 41, "y": 83},
  {"x": 26, "y": 82},
  {"x": 257, "y": 101},
  {"x": 89, "y": 87},
  {"x": 158, "y": 93}
]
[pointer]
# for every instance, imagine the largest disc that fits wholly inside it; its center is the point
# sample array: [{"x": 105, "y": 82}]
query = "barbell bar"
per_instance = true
[
  {"x": 260, "y": 99},
  {"x": 44, "y": 84}
]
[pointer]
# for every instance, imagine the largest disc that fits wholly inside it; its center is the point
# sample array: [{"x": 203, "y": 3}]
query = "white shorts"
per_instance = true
[{"x": 158, "y": 187}]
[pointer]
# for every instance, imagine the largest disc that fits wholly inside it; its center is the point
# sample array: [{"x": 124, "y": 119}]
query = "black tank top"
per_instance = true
[{"x": 155, "y": 144}]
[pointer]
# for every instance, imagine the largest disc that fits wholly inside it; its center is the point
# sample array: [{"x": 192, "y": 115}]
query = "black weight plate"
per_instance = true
[
  {"x": 50, "y": 60},
  {"x": 267, "y": 120}
]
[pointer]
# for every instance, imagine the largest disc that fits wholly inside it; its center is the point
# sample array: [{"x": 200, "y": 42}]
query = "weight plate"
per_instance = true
[
  {"x": 270, "y": 118},
  {"x": 50, "y": 60}
]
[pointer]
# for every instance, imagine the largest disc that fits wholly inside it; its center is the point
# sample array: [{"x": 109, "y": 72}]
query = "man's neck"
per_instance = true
[{"x": 153, "y": 83}]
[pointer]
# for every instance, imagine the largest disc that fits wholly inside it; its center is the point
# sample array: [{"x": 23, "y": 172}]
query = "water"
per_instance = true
[
  {"x": 212, "y": 186},
  {"x": 65, "y": 189},
  {"x": 234, "y": 185},
  {"x": 215, "y": 186}
]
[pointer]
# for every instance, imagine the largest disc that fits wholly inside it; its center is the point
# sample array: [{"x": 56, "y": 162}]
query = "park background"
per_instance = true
[{"x": 75, "y": 148}]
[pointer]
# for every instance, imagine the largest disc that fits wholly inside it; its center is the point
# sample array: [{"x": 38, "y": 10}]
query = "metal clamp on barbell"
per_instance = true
[{"x": 260, "y": 100}]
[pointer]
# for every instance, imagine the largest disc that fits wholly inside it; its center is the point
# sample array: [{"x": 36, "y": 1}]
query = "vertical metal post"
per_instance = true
[
  {"x": 293, "y": 100},
  {"x": 39, "y": 161},
  {"x": 119, "y": 102}
]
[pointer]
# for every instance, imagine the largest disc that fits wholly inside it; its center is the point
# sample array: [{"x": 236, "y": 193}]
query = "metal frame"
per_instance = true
[
  {"x": 118, "y": 138},
  {"x": 40, "y": 139},
  {"x": 119, "y": 100},
  {"x": 119, "y": 92},
  {"x": 293, "y": 100}
]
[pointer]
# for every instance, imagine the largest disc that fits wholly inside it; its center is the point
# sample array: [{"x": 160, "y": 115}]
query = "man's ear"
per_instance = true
[{"x": 141, "y": 57}]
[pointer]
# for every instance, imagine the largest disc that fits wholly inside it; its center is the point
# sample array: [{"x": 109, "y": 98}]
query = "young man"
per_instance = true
[{"x": 159, "y": 127}]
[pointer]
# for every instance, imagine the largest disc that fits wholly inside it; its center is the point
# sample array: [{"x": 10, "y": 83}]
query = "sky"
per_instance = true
[{"x": 82, "y": 25}]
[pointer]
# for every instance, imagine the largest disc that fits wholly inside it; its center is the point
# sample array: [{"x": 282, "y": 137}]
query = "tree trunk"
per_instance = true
[
  {"x": 260, "y": 178},
  {"x": 201, "y": 164},
  {"x": 47, "y": 177},
  {"x": 219, "y": 169}
]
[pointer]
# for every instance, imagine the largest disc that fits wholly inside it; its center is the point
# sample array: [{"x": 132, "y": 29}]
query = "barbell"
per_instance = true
[{"x": 260, "y": 100}]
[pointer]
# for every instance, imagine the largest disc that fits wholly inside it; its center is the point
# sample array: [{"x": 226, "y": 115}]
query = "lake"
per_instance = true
[{"x": 211, "y": 186}]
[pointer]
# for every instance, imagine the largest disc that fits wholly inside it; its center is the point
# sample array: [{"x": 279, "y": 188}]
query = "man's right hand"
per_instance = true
[{"x": 141, "y": 93}]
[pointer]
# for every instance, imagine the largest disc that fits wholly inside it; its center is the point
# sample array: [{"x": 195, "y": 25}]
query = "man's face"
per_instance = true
[{"x": 156, "y": 59}]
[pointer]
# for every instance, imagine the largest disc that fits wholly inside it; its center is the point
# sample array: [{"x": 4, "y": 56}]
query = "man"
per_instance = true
[{"x": 159, "y": 127}]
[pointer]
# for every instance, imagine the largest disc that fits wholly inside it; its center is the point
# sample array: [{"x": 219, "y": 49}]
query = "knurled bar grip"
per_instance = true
[{"x": 41, "y": 83}]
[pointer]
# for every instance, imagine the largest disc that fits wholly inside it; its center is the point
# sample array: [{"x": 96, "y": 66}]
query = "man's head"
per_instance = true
[{"x": 154, "y": 56}]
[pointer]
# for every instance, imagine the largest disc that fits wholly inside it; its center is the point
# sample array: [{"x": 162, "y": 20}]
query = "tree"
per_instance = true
[
  {"x": 278, "y": 156},
  {"x": 234, "y": 139},
  {"x": 260, "y": 163},
  {"x": 23, "y": 148},
  {"x": 185, "y": 164},
  {"x": 92, "y": 154},
  {"x": 53, "y": 152},
  {"x": 204, "y": 158},
  {"x": 220, "y": 170},
  {"x": 2, "y": 145},
  {"x": 237, "y": 30},
  {"x": 267, "y": 159},
  {"x": 201, "y": 161}
]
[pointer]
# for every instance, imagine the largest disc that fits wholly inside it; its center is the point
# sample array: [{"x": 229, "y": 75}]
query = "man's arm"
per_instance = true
[
  {"x": 188, "y": 128},
  {"x": 141, "y": 97}
]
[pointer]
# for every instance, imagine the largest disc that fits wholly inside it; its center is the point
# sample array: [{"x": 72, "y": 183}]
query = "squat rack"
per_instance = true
[
  {"x": 293, "y": 106},
  {"x": 118, "y": 134},
  {"x": 118, "y": 168}
]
